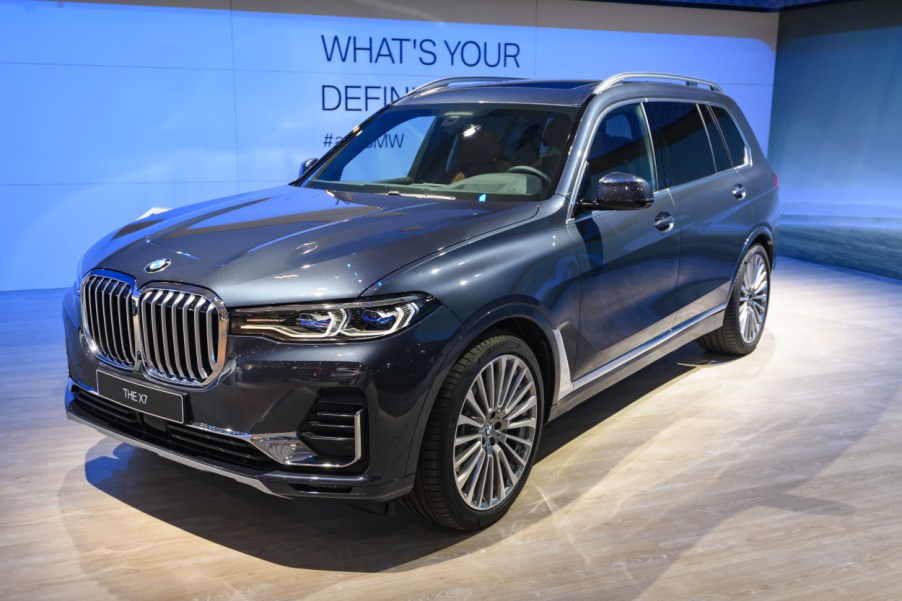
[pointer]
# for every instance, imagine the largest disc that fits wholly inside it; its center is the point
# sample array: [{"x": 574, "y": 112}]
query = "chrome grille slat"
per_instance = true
[
  {"x": 177, "y": 334},
  {"x": 131, "y": 315},
  {"x": 182, "y": 346},
  {"x": 107, "y": 319},
  {"x": 120, "y": 318},
  {"x": 110, "y": 321},
  {"x": 186, "y": 339},
  {"x": 211, "y": 348},
  {"x": 164, "y": 336},
  {"x": 197, "y": 348},
  {"x": 153, "y": 338},
  {"x": 180, "y": 329}
]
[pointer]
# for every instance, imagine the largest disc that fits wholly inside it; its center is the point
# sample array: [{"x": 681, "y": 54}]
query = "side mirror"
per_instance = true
[
  {"x": 306, "y": 165},
  {"x": 619, "y": 191}
]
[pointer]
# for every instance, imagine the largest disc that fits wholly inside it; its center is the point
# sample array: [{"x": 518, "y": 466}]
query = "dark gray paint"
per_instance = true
[{"x": 591, "y": 286}]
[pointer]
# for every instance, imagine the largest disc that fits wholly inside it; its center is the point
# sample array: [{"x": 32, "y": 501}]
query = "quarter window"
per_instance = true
[
  {"x": 681, "y": 142},
  {"x": 735, "y": 143},
  {"x": 621, "y": 143}
]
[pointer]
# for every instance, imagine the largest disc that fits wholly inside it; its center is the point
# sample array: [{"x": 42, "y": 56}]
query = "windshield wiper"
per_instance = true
[{"x": 416, "y": 195}]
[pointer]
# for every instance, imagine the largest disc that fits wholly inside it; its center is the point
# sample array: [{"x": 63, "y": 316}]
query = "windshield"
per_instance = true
[{"x": 469, "y": 151}]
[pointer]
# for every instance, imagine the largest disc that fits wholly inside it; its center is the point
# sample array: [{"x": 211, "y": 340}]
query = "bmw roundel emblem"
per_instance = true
[{"x": 157, "y": 266}]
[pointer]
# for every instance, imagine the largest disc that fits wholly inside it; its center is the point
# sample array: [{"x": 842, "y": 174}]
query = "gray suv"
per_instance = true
[{"x": 402, "y": 320}]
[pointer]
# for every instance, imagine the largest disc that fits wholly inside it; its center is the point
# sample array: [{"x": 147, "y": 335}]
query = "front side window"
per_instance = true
[
  {"x": 470, "y": 151},
  {"x": 621, "y": 143},
  {"x": 681, "y": 142}
]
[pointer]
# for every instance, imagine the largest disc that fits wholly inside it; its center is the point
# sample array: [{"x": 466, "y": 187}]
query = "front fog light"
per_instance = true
[{"x": 333, "y": 321}]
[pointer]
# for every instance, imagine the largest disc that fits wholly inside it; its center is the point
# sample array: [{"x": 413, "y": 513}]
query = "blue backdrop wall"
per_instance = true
[
  {"x": 836, "y": 135},
  {"x": 109, "y": 109}
]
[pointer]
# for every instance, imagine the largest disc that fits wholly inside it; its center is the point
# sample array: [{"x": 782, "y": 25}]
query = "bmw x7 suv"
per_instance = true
[{"x": 402, "y": 320}]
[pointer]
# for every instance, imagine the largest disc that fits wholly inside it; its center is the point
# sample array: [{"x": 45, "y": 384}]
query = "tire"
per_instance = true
[
  {"x": 743, "y": 321},
  {"x": 494, "y": 442}
]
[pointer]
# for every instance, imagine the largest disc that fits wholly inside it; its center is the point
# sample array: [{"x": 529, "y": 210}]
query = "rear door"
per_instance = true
[{"x": 709, "y": 198}]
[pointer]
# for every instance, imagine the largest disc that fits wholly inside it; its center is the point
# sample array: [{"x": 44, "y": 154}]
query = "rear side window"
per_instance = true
[
  {"x": 735, "y": 143},
  {"x": 721, "y": 158},
  {"x": 681, "y": 142}
]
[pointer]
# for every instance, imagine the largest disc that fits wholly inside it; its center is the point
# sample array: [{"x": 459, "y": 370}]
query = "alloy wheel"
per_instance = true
[
  {"x": 496, "y": 431},
  {"x": 753, "y": 295}
]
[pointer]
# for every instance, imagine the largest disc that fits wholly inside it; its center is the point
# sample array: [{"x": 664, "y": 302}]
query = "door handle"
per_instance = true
[
  {"x": 664, "y": 222},
  {"x": 739, "y": 192}
]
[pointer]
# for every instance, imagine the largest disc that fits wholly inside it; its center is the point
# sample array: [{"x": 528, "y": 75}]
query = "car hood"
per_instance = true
[{"x": 291, "y": 244}]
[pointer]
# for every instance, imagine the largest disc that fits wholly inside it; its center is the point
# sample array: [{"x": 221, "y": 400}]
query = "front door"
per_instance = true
[{"x": 630, "y": 258}]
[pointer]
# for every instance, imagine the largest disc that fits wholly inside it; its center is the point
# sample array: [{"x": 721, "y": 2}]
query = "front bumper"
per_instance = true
[
  {"x": 267, "y": 391},
  {"x": 272, "y": 481}
]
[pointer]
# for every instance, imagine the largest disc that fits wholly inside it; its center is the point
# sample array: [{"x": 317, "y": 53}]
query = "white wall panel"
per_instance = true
[
  {"x": 111, "y": 108},
  {"x": 354, "y": 46},
  {"x": 48, "y": 227},
  {"x": 280, "y": 123},
  {"x": 116, "y": 34},
  {"x": 102, "y": 124}
]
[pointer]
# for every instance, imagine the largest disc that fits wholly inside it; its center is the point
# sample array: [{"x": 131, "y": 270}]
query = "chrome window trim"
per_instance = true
[
  {"x": 571, "y": 194},
  {"x": 583, "y": 140},
  {"x": 748, "y": 149},
  {"x": 701, "y": 116}
]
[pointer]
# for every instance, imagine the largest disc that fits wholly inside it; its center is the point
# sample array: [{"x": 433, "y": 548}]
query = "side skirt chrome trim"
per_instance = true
[
  {"x": 637, "y": 358},
  {"x": 641, "y": 350}
]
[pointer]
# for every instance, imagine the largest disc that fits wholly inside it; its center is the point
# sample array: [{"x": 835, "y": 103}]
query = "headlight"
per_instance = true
[{"x": 332, "y": 321}]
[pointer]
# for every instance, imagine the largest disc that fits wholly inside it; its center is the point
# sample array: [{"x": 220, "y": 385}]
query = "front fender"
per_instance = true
[{"x": 482, "y": 321}]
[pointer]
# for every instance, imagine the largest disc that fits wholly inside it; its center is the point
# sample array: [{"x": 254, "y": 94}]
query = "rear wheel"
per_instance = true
[
  {"x": 481, "y": 439},
  {"x": 746, "y": 312}
]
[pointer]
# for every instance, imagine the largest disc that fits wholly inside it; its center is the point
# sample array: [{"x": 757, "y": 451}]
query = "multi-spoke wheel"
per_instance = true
[
  {"x": 496, "y": 430},
  {"x": 753, "y": 292},
  {"x": 482, "y": 435},
  {"x": 744, "y": 318}
]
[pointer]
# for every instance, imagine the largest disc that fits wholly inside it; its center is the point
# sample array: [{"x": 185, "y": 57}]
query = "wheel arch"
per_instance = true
[
  {"x": 765, "y": 237},
  {"x": 522, "y": 318}
]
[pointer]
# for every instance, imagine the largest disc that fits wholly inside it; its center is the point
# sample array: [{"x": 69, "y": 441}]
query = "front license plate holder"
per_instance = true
[{"x": 141, "y": 397}]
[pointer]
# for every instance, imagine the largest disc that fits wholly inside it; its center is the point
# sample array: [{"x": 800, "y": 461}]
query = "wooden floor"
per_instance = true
[{"x": 775, "y": 476}]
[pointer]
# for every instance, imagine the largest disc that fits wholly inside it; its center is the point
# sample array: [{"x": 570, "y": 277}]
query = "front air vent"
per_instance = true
[
  {"x": 108, "y": 318},
  {"x": 334, "y": 428},
  {"x": 183, "y": 332}
]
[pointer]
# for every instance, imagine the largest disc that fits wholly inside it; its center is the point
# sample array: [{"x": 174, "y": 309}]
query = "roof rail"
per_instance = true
[
  {"x": 447, "y": 82},
  {"x": 622, "y": 77}
]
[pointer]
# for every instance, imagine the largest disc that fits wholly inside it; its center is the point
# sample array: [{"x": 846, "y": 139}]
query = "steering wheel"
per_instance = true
[{"x": 530, "y": 171}]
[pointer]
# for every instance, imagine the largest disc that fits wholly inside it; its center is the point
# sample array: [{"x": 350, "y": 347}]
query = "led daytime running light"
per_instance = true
[{"x": 339, "y": 321}]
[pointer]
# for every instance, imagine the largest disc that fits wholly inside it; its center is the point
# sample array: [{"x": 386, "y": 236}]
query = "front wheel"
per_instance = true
[
  {"x": 481, "y": 439},
  {"x": 746, "y": 312}
]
